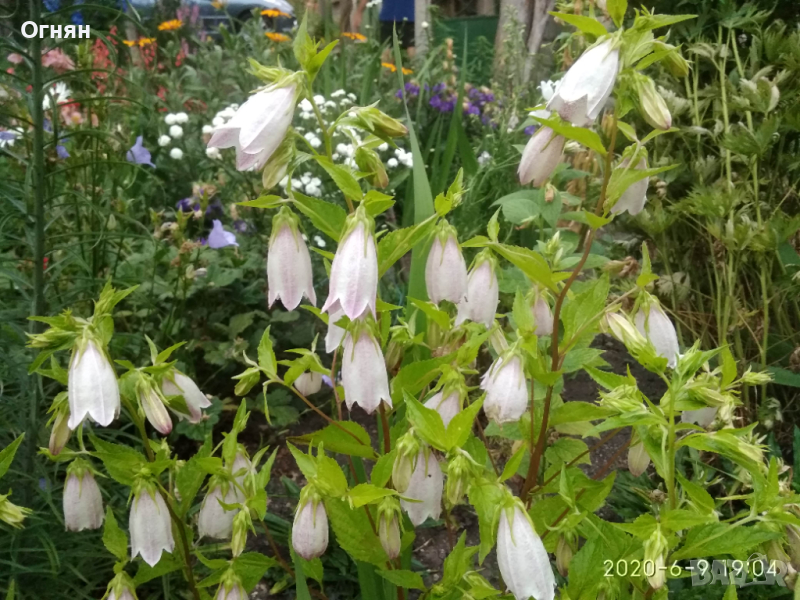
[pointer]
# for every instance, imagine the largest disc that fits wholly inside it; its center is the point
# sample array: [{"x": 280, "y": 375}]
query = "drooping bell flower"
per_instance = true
[
  {"x": 92, "y": 387},
  {"x": 425, "y": 486},
  {"x": 150, "y": 524},
  {"x": 654, "y": 324},
  {"x": 364, "y": 376},
  {"x": 541, "y": 157},
  {"x": 483, "y": 292},
  {"x": 584, "y": 90},
  {"x": 701, "y": 416},
  {"x": 216, "y": 521},
  {"x": 542, "y": 315},
  {"x": 522, "y": 558},
  {"x": 310, "y": 528},
  {"x": 289, "y": 273},
  {"x": 83, "y": 504},
  {"x": 178, "y": 384},
  {"x": 450, "y": 397},
  {"x": 651, "y": 103},
  {"x": 506, "y": 389},
  {"x": 121, "y": 588},
  {"x": 633, "y": 198},
  {"x": 335, "y": 334},
  {"x": 153, "y": 406},
  {"x": 308, "y": 383},
  {"x": 389, "y": 526},
  {"x": 446, "y": 271},
  {"x": 623, "y": 330},
  {"x": 60, "y": 433},
  {"x": 258, "y": 127},
  {"x": 638, "y": 459},
  {"x": 354, "y": 271},
  {"x": 405, "y": 460},
  {"x": 231, "y": 589}
]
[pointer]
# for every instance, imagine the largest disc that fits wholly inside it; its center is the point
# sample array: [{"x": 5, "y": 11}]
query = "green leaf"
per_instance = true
[
  {"x": 427, "y": 422},
  {"x": 7, "y": 455},
  {"x": 721, "y": 538},
  {"x": 514, "y": 462},
  {"x": 414, "y": 376},
  {"x": 315, "y": 64},
  {"x": 585, "y": 24},
  {"x": 354, "y": 532},
  {"x": 531, "y": 263},
  {"x": 305, "y": 463},
  {"x": 266, "y": 355},
  {"x": 458, "y": 563},
  {"x": 622, "y": 179},
  {"x": 341, "y": 442},
  {"x": 169, "y": 563},
  {"x": 431, "y": 310},
  {"x": 573, "y": 412},
  {"x": 461, "y": 425},
  {"x": 251, "y": 567},
  {"x": 268, "y": 201},
  {"x": 679, "y": 519},
  {"x": 382, "y": 471},
  {"x": 329, "y": 218},
  {"x": 377, "y": 202},
  {"x": 583, "y": 136},
  {"x": 520, "y": 207},
  {"x": 114, "y": 538},
  {"x": 697, "y": 494},
  {"x": 366, "y": 493},
  {"x": 330, "y": 477},
  {"x": 403, "y": 578},
  {"x": 522, "y": 313},
  {"x": 121, "y": 462},
  {"x": 342, "y": 177},
  {"x": 393, "y": 246},
  {"x": 616, "y": 10},
  {"x": 486, "y": 500}
]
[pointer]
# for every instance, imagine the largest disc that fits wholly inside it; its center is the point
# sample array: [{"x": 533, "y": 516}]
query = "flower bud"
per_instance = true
[
  {"x": 506, "y": 389},
  {"x": 541, "y": 157},
  {"x": 289, "y": 272},
  {"x": 425, "y": 485},
  {"x": 483, "y": 292},
  {"x": 655, "y": 550},
  {"x": 652, "y": 323},
  {"x": 674, "y": 61},
  {"x": 587, "y": 85},
  {"x": 231, "y": 591},
  {"x": 624, "y": 331},
  {"x": 445, "y": 270},
  {"x": 638, "y": 459},
  {"x": 121, "y": 588},
  {"x": 83, "y": 504},
  {"x": 154, "y": 409},
  {"x": 10, "y": 513},
  {"x": 214, "y": 520},
  {"x": 702, "y": 416},
  {"x": 369, "y": 162},
  {"x": 634, "y": 197},
  {"x": 403, "y": 467},
  {"x": 542, "y": 316},
  {"x": 241, "y": 525},
  {"x": 564, "y": 554},
  {"x": 521, "y": 556},
  {"x": 178, "y": 384},
  {"x": 389, "y": 526},
  {"x": 354, "y": 271},
  {"x": 376, "y": 122},
  {"x": 310, "y": 528},
  {"x": 150, "y": 524},
  {"x": 275, "y": 168},
  {"x": 364, "y": 376},
  {"x": 92, "y": 386},
  {"x": 308, "y": 383},
  {"x": 458, "y": 477},
  {"x": 60, "y": 434},
  {"x": 652, "y": 105}
]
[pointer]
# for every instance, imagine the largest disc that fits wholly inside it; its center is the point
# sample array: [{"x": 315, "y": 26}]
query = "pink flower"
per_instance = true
[
  {"x": 15, "y": 58},
  {"x": 289, "y": 263},
  {"x": 58, "y": 60}
]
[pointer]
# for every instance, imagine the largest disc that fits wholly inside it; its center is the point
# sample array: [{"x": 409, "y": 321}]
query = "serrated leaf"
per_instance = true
[
  {"x": 459, "y": 428},
  {"x": 354, "y": 532},
  {"x": 403, "y": 578},
  {"x": 393, "y": 246},
  {"x": 531, "y": 263},
  {"x": 366, "y": 493},
  {"x": 268, "y": 201},
  {"x": 7, "y": 455},
  {"x": 721, "y": 538},
  {"x": 329, "y": 218},
  {"x": 114, "y": 539},
  {"x": 616, "y": 10},
  {"x": 585, "y": 24},
  {"x": 341, "y": 442},
  {"x": 427, "y": 422},
  {"x": 266, "y": 355},
  {"x": 341, "y": 176},
  {"x": 583, "y": 136}
]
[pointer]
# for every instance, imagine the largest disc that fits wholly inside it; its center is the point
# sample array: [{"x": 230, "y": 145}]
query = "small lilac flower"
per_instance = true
[
  {"x": 62, "y": 152},
  {"x": 219, "y": 238},
  {"x": 530, "y": 130},
  {"x": 47, "y": 125},
  {"x": 52, "y": 5},
  {"x": 187, "y": 205},
  {"x": 439, "y": 88},
  {"x": 472, "y": 109},
  {"x": 138, "y": 154},
  {"x": 327, "y": 381},
  {"x": 240, "y": 226}
]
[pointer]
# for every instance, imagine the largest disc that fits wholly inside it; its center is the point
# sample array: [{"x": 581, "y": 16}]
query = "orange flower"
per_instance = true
[
  {"x": 274, "y": 12},
  {"x": 129, "y": 43},
  {"x": 389, "y": 66},
  {"x": 277, "y": 37},
  {"x": 356, "y": 37},
  {"x": 145, "y": 42},
  {"x": 407, "y": 71},
  {"x": 170, "y": 25}
]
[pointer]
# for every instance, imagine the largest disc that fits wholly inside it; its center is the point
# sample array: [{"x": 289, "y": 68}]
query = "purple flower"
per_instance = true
[
  {"x": 219, "y": 238},
  {"x": 327, "y": 381},
  {"x": 240, "y": 226},
  {"x": 62, "y": 152},
  {"x": 472, "y": 109},
  {"x": 138, "y": 154},
  {"x": 530, "y": 129},
  {"x": 187, "y": 205},
  {"x": 439, "y": 88},
  {"x": 215, "y": 207},
  {"x": 8, "y": 136}
]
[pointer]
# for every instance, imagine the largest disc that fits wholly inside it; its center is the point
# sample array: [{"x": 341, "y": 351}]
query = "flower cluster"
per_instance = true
[{"x": 174, "y": 133}]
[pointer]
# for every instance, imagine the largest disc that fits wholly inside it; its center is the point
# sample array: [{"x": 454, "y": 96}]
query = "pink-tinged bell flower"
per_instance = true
[
  {"x": 258, "y": 127},
  {"x": 125, "y": 595},
  {"x": 335, "y": 334},
  {"x": 178, "y": 384},
  {"x": 233, "y": 592},
  {"x": 541, "y": 157},
  {"x": 389, "y": 527},
  {"x": 446, "y": 271},
  {"x": 354, "y": 272},
  {"x": 633, "y": 198},
  {"x": 242, "y": 467},
  {"x": 92, "y": 387},
  {"x": 289, "y": 273},
  {"x": 655, "y": 325},
  {"x": 585, "y": 89},
  {"x": 638, "y": 459},
  {"x": 364, "y": 376},
  {"x": 483, "y": 293},
  {"x": 506, "y": 390},
  {"x": 426, "y": 486},
  {"x": 83, "y": 504},
  {"x": 214, "y": 520},
  {"x": 542, "y": 316},
  {"x": 310, "y": 529},
  {"x": 522, "y": 558},
  {"x": 155, "y": 411},
  {"x": 447, "y": 407},
  {"x": 702, "y": 416},
  {"x": 308, "y": 383},
  {"x": 150, "y": 526},
  {"x": 121, "y": 588}
]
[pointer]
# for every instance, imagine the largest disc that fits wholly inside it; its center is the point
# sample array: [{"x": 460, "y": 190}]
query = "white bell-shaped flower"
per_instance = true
[
  {"x": 214, "y": 520},
  {"x": 447, "y": 407},
  {"x": 506, "y": 390},
  {"x": 335, "y": 334},
  {"x": 389, "y": 535},
  {"x": 586, "y": 87},
  {"x": 633, "y": 198},
  {"x": 541, "y": 157},
  {"x": 483, "y": 292},
  {"x": 446, "y": 271},
  {"x": 364, "y": 376},
  {"x": 150, "y": 526},
  {"x": 258, "y": 127},
  {"x": 92, "y": 387},
  {"x": 638, "y": 459},
  {"x": 310, "y": 529},
  {"x": 655, "y": 325},
  {"x": 289, "y": 273},
  {"x": 178, "y": 384},
  {"x": 542, "y": 316},
  {"x": 702, "y": 416},
  {"x": 354, "y": 271},
  {"x": 308, "y": 383},
  {"x": 154, "y": 410},
  {"x": 83, "y": 504},
  {"x": 426, "y": 486},
  {"x": 231, "y": 592},
  {"x": 522, "y": 558}
]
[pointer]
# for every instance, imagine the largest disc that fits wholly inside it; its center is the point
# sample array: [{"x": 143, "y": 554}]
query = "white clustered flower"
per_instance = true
[
  {"x": 181, "y": 117},
  {"x": 176, "y": 131},
  {"x": 170, "y": 119},
  {"x": 313, "y": 139},
  {"x": 213, "y": 153},
  {"x": 392, "y": 163},
  {"x": 338, "y": 93},
  {"x": 164, "y": 140},
  {"x": 319, "y": 241},
  {"x": 176, "y": 153},
  {"x": 208, "y": 129},
  {"x": 404, "y": 157},
  {"x": 484, "y": 158}
]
